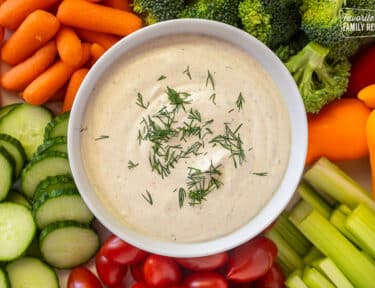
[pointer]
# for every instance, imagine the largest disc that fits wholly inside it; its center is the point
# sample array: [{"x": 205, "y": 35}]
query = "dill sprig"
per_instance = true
[
  {"x": 101, "y": 137},
  {"x": 181, "y": 197},
  {"x": 231, "y": 141},
  {"x": 132, "y": 165},
  {"x": 162, "y": 77},
  {"x": 148, "y": 197},
  {"x": 187, "y": 72},
  {"x": 213, "y": 98},
  {"x": 140, "y": 102},
  {"x": 260, "y": 173},
  {"x": 194, "y": 114},
  {"x": 210, "y": 79},
  {"x": 240, "y": 101},
  {"x": 178, "y": 99}
]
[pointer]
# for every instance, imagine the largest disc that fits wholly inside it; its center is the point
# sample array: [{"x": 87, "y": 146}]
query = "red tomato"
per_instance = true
[
  {"x": 206, "y": 263},
  {"x": 121, "y": 252},
  {"x": 251, "y": 260},
  {"x": 110, "y": 272},
  {"x": 139, "y": 285},
  {"x": 274, "y": 278},
  {"x": 81, "y": 277},
  {"x": 136, "y": 271},
  {"x": 161, "y": 272},
  {"x": 205, "y": 280}
]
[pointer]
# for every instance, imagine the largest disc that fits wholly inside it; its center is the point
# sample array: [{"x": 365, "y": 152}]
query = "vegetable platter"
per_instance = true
[{"x": 49, "y": 47}]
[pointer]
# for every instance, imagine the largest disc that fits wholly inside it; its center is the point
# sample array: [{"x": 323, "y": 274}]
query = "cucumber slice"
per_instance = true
[
  {"x": 14, "y": 147},
  {"x": 68, "y": 244},
  {"x": 26, "y": 123},
  {"x": 39, "y": 168},
  {"x": 61, "y": 205},
  {"x": 6, "y": 109},
  {"x": 4, "y": 282},
  {"x": 33, "y": 250},
  {"x": 53, "y": 183},
  {"x": 6, "y": 172},
  {"x": 17, "y": 230},
  {"x": 18, "y": 198},
  {"x": 57, "y": 127},
  {"x": 29, "y": 272},
  {"x": 54, "y": 144}
]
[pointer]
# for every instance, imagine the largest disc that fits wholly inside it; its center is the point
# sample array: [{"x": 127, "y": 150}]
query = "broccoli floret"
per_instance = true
[
  {"x": 319, "y": 80},
  {"x": 345, "y": 48},
  {"x": 292, "y": 47},
  {"x": 361, "y": 4},
  {"x": 272, "y": 22},
  {"x": 153, "y": 11},
  {"x": 220, "y": 10}
]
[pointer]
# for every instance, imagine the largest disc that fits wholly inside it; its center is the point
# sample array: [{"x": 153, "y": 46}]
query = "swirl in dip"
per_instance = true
[{"x": 186, "y": 138}]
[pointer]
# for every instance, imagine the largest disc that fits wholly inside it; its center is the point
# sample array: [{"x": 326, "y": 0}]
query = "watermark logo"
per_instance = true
[{"x": 357, "y": 22}]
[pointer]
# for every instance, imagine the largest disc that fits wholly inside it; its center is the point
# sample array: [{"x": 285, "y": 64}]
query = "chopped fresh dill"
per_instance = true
[
  {"x": 178, "y": 99},
  {"x": 83, "y": 129},
  {"x": 101, "y": 137},
  {"x": 162, "y": 77},
  {"x": 148, "y": 197},
  {"x": 187, "y": 72},
  {"x": 132, "y": 165},
  {"x": 140, "y": 102},
  {"x": 260, "y": 173},
  {"x": 210, "y": 79},
  {"x": 231, "y": 141},
  {"x": 194, "y": 114},
  {"x": 231, "y": 110},
  {"x": 213, "y": 98},
  {"x": 240, "y": 101},
  {"x": 181, "y": 196}
]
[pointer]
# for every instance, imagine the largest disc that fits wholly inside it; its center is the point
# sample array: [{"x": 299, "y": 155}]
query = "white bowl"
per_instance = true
[{"x": 298, "y": 124}]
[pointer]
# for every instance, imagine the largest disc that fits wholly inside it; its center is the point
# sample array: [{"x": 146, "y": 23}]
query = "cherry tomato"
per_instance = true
[
  {"x": 81, "y": 277},
  {"x": 251, "y": 260},
  {"x": 136, "y": 271},
  {"x": 121, "y": 252},
  {"x": 161, "y": 272},
  {"x": 206, "y": 263},
  {"x": 110, "y": 272},
  {"x": 139, "y": 285},
  {"x": 274, "y": 278},
  {"x": 205, "y": 280}
]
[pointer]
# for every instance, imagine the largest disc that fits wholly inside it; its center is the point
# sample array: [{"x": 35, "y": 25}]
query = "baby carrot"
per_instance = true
[
  {"x": 98, "y": 18},
  {"x": 69, "y": 46},
  {"x": 17, "y": 78},
  {"x": 13, "y": 12},
  {"x": 86, "y": 53},
  {"x": 96, "y": 51},
  {"x": 370, "y": 133},
  {"x": 73, "y": 86},
  {"x": 117, "y": 4},
  {"x": 37, "y": 29},
  {"x": 2, "y": 32},
  {"x": 367, "y": 95},
  {"x": 48, "y": 83},
  {"x": 103, "y": 39}
]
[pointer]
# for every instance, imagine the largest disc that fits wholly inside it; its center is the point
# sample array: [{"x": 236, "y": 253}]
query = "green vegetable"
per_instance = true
[
  {"x": 313, "y": 255},
  {"x": 363, "y": 4},
  {"x": 153, "y": 11},
  {"x": 220, "y": 10},
  {"x": 330, "y": 270},
  {"x": 272, "y": 22},
  {"x": 295, "y": 280},
  {"x": 314, "y": 279},
  {"x": 292, "y": 47},
  {"x": 319, "y": 80},
  {"x": 311, "y": 197},
  {"x": 338, "y": 219}
]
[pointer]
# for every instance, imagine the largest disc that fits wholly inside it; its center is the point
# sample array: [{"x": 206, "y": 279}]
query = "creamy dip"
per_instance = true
[{"x": 221, "y": 173}]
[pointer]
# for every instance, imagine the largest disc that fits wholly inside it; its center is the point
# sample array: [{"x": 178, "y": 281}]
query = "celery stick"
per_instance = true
[
  {"x": 359, "y": 270},
  {"x": 295, "y": 280},
  {"x": 327, "y": 177},
  {"x": 291, "y": 234},
  {"x": 312, "y": 255},
  {"x": 299, "y": 212},
  {"x": 314, "y": 279},
  {"x": 286, "y": 254},
  {"x": 316, "y": 201},
  {"x": 334, "y": 274},
  {"x": 284, "y": 267},
  {"x": 361, "y": 223},
  {"x": 344, "y": 209},
  {"x": 338, "y": 219}
]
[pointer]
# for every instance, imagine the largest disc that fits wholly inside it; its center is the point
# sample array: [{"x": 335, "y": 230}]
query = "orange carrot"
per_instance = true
[
  {"x": 17, "y": 78},
  {"x": 2, "y": 32},
  {"x": 96, "y": 51},
  {"x": 367, "y": 95},
  {"x": 48, "y": 83},
  {"x": 13, "y": 12},
  {"x": 338, "y": 132},
  {"x": 74, "y": 84},
  {"x": 370, "y": 133},
  {"x": 98, "y": 18},
  {"x": 86, "y": 53},
  {"x": 103, "y": 39},
  {"x": 118, "y": 4},
  {"x": 37, "y": 29},
  {"x": 69, "y": 46}
]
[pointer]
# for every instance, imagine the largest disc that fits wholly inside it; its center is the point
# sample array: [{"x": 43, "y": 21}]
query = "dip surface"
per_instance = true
[{"x": 244, "y": 138}]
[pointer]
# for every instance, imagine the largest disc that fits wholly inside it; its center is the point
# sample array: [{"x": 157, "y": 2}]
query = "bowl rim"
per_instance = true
[{"x": 298, "y": 147}]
